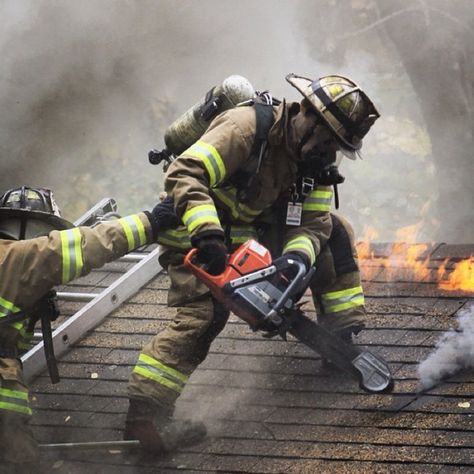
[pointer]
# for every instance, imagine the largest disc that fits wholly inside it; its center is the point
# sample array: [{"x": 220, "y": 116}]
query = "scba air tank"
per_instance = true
[{"x": 185, "y": 130}]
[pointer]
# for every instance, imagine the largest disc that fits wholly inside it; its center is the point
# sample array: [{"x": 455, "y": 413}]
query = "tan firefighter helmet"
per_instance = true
[
  {"x": 26, "y": 213},
  {"x": 343, "y": 106}
]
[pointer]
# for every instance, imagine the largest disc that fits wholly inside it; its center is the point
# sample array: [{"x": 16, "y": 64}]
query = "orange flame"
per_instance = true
[
  {"x": 406, "y": 262},
  {"x": 461, "y": 278}
]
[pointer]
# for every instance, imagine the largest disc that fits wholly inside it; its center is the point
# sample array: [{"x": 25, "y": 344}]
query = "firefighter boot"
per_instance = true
[
  {"x": 157, "y": 432},
  {"x": 18, "y": 448}
]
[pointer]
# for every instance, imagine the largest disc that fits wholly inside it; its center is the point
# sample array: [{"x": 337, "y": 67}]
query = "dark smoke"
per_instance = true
[{"x": 89, "y": 88}]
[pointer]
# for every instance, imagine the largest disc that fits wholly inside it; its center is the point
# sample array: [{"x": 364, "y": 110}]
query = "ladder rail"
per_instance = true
[
  {"x": 96, "y": 212},
  {"x": 100, "y": 305}
]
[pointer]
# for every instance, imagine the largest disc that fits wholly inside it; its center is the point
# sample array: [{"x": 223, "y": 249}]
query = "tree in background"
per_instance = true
[{"x": 433, "y": 41}]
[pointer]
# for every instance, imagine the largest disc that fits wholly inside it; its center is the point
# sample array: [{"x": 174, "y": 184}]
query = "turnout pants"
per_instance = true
[
  {"x": 168, "y": 360},
  {"x": 17, "y": 444}
]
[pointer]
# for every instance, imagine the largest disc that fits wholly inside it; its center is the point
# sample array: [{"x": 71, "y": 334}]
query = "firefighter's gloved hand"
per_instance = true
[
  {"x": 291, "y": 272},
  {"x": 212, "y": 252},
  {"x": 163, "y": 217}
]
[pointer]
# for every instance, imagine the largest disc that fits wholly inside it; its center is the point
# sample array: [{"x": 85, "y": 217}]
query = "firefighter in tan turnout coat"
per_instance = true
[
  {"x": 39, "y": 249},
  {"x": 284, "y": 201}
]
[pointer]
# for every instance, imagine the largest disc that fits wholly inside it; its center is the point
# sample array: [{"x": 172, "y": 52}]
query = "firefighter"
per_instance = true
[
  {"x": 282, "y": 199},
  {"x": 40, "y": 249}
]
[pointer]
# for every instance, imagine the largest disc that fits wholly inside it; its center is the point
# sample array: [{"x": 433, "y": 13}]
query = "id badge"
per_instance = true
[{"x": 293, "y": 213}]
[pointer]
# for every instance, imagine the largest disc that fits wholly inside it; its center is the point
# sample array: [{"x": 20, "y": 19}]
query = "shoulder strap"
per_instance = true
[
  {"x": 248, "y": 180},
  {"x": 264, "y": 115}
]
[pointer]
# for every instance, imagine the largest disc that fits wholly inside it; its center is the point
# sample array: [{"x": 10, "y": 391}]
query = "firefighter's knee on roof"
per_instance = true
[{"x": 336, "y": 287}]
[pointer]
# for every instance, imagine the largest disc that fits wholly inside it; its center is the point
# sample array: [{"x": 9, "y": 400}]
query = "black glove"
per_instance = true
[
  {"x": 212, "y": 252},
  {"x": 163, "y": 217},
  {"x": 291, "y": 272}
]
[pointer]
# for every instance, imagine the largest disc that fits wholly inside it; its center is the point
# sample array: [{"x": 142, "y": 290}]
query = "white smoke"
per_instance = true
[{"x": 453, "y": 352}]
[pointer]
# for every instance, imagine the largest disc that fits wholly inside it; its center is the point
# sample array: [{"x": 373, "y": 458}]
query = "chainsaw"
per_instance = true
[{"x": 257, "y": 290}]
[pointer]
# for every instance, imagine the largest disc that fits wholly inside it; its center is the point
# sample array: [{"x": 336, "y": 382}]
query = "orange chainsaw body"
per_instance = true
[{"x": 249, "y": 257}]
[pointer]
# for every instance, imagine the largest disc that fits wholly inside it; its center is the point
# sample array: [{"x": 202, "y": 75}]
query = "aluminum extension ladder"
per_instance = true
[{"x": 97, "y": 305}]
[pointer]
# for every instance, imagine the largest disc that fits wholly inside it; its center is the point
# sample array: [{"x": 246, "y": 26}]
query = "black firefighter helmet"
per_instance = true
[{"x": 26, "y": 213}]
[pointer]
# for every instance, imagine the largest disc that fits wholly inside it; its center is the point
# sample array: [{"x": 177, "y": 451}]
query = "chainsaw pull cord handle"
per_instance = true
[{"x": 292, "y": 287}]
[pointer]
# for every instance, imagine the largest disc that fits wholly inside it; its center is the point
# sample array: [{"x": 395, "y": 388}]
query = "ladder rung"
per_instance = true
[
  {"x": 69, "y": 296},
  {"x": 133, "y": 257}
]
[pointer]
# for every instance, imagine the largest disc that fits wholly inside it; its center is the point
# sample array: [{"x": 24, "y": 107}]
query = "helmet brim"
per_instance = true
[{"x": 51, "y": 222}]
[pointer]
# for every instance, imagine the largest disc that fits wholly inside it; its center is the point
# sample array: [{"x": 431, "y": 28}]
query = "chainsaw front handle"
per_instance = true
[{"x": 292, "y": 288}]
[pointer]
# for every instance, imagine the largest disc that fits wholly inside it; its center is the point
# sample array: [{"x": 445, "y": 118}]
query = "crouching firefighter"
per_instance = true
[
  {"x": 265, "y": 170},
  {"x": 38, "y": 250}
]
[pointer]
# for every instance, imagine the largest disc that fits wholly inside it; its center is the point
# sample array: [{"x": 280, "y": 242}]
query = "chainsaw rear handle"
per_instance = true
[{"x": 213, "y": 281}]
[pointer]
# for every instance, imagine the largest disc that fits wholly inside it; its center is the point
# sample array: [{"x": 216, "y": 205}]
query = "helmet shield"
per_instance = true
[{"x": 342, "y": 105}]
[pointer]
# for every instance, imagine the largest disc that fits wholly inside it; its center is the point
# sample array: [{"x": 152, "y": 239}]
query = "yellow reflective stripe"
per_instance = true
[
  {"x": 158, "y": 365},
  {"x": 7, "y": 308},
  {"x": 19, "y": 326},
  {"x": 342, "y": 300},
  {"x": 211, "y": 159},
  {"x": 164, "y": 375},
  {"x": 240, "y": 234},
  {"x": 71, "y": 249},
  {"x": 78, "y": 252},
  {"x": 134, "y": 231},
  {"x": 179, "y": 238},
  {"x": 157, "y": 378},
  {"x": 301, "y": 243},
  {"x": 16, "y": 408},
  {"x": 65, "y": 254},
  {"x": 14, "y": 400},
  {"x": 238, "y": 210},
  {"x": 318, "y": 201},
  {"x": 6, "y": 392},
  {"x": 175, "y": 238},
  {"x": 199, "y": 215},
  {"x": 140, "y": 229},
  {"x": 345, "y": 306},
  {"x": 334, "y": 295}
]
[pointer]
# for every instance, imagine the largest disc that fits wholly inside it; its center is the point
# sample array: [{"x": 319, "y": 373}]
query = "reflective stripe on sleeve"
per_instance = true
[
  {"x": 134, "y": 231},
  {"x": 177, "y": 238},
  {"x": 240, "y": 234},
  {"x": 211, "y": 159},
  {"x": 152, "y": 369},
  {"x": 318, "y": 201},
  {"x": 199, "y": 215},
  {"x": 71, "y": 254},
  {"x": 238, "y": 210},
  {"x": 14, "y": 400},
  {"x": 301, "y": 243},
  {"x": 342, "y": 300}
]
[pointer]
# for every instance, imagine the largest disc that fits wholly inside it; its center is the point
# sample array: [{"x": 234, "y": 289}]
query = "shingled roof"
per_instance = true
[{"x": 268, "y": 406}]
